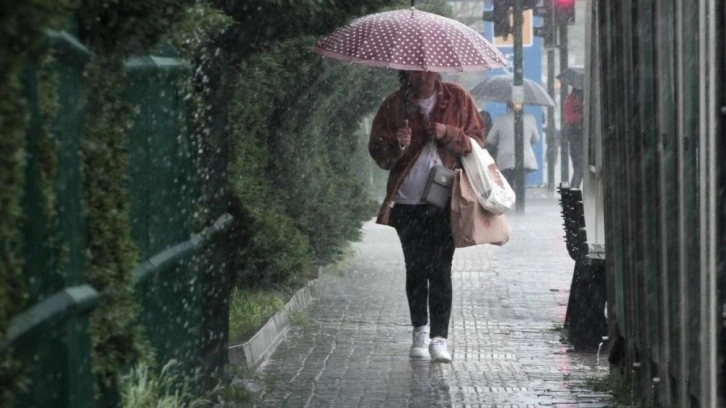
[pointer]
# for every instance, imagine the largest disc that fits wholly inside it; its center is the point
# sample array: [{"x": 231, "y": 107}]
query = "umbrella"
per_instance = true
[
  {"x": 499, "y": 88},
  {"x": 575, "y": 77},
  {"x": 411, "y": 40}
]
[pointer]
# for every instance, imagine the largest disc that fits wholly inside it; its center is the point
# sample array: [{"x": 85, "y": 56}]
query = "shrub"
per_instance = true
[
  {"x": 143, "y": 387},
  {"x": 249, "y": 310}
]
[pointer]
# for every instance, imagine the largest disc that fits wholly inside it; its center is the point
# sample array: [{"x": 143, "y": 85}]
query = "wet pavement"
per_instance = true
[{"x": 509, "y": 303}]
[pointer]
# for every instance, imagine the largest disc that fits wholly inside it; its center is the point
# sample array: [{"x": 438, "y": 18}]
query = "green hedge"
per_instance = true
[
  {"x": 113, "y": 30},
  {"x": 22, "y": 43},
  {"x": 277, "y": 125},
  {"x": 293, "y": 121},
  {"x": 297, "y": 149}
]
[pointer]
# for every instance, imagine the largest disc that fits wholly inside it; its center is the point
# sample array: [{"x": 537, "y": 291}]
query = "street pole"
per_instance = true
[
  {"x": 551, "y": 147},
  {"x": 564, "y": 142},
  {"x": 517, "y": 97}
]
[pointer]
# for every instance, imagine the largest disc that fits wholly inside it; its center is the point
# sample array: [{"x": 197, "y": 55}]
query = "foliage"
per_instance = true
[
  {"x": 22, "y": 41},
  {"x": 143, "y": 387},
  {"x": 289, "y": 117},
  {"x": 615, "y": 383},
  {"x": 193, "y": 38},
  {"x": 272, "y": 250},
  {"x": 198, "y": 27},
  {"x": 116, "y": 336},
  {"x": 249, "y": 310},
  {"x": 293, "y": 119},
  {"x": 238, "y": 387},
  {"x": 264, "y": 23},
  {"x": 298, "y": 318},
  {"x": 140, "y": 23},
  {"x": 47, "y": 157},
  {"x": 112, "y": 254}
]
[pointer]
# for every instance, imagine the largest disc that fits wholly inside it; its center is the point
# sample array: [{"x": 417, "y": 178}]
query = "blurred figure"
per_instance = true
[
  {"x": 572, "y": 116},
  {"x": 486, "y": 117},
  {"x": 502, "y": 138},
  {"x": 424, "y": 123}
]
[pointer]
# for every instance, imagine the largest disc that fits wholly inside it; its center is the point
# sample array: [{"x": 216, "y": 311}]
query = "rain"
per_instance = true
[{"x": 379, "y": 203}]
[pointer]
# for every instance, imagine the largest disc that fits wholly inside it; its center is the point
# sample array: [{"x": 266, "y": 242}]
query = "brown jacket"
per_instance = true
[{"x": 454, "y": 108}]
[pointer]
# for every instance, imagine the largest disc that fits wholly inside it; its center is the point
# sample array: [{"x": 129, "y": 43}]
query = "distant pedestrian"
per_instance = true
[
  {"x": 502, "y": 138},
  {"x": 424, "y": 123},
  {"x": 486, "y": 117},
  {"x": 573, "y": 131}
]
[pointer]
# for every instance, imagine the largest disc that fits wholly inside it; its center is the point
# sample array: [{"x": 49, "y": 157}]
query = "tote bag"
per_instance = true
[
  {"x": 470, "y": 223},
  {"x": 492, "y": 190}
]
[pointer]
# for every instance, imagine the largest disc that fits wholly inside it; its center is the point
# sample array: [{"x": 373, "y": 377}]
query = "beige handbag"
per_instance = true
[{"x": 471, "y": 224}]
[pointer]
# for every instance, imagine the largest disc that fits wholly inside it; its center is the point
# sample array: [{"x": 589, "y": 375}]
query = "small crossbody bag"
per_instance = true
[{"x": 438, "y": 186}]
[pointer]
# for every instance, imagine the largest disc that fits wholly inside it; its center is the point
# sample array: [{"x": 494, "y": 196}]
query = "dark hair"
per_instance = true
[
  {"x": 486, "y": 117},
  {"x": 403, "y": 79}
]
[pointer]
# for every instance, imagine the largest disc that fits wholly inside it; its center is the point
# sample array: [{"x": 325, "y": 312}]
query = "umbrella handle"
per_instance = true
[{"x": 405, "y": 124}]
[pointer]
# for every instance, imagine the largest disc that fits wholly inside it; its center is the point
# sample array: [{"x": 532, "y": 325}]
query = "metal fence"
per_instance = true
[
  {"x": 182, "y": 295},
  {"x": 659, "y": 88}
]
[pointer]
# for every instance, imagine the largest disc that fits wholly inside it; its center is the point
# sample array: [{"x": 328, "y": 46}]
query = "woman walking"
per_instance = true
[{"x": 424, "y": 123}]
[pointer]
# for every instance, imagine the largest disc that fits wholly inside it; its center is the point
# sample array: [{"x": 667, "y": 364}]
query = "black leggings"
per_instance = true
[
  {"x": 509, "y": 175},
  {"x": 428, "y": 248}
]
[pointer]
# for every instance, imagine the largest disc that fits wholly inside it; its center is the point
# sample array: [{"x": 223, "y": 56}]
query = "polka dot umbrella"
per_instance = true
[{"x": 411, "y": 40}]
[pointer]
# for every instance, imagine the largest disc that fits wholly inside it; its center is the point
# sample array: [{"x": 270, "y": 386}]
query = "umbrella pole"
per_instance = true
[
  {"x": 517, "y": 99},
  {"x": 551, "y": 144},
  {"x": 564, "y": 140}
]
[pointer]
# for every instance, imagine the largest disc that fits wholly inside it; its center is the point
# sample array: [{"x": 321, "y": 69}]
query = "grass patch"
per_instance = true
[
  {"x": 236, "y": 393},
  {"x": 242, "y": 388},
  {"x": 614, "y": 384},
  {"x": 249, "y": 310},
  {"x": 143, "y": 387},
  {"x": 298, "y": 318}
]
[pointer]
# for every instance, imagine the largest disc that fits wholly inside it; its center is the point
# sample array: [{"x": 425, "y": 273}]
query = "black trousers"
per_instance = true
[
  {"x": 509, "y": 176},
  {"x": 428, "y": 249}
]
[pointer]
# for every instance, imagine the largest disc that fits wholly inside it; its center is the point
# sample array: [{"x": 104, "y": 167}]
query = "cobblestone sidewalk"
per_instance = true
[{"x": 508, "y": 305}]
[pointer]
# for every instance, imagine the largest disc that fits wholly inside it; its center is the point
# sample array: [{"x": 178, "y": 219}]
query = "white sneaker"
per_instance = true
[
  {"x": 439, "y": 352},
  {"x": 419, "y": 347}
]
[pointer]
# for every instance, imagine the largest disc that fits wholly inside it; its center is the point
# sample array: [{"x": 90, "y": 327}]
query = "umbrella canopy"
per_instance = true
[
  {"x": 411, "y": 40},
  {"x": 499, "y": 88},
  {"x": 574, "y": 77}
]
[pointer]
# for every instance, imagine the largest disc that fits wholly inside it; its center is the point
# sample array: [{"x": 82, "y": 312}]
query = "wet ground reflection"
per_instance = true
[{"x": 505, "y": 338}]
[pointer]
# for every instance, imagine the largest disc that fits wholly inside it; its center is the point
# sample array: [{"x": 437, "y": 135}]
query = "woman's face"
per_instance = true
[{"x": 422, "y": 79}]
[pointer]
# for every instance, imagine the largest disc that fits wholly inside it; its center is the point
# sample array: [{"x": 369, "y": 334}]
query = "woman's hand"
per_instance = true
[{"x": 438, "y": 130}]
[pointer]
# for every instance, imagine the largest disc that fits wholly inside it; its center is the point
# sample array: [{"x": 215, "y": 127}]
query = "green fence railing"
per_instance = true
[{"x": 181, "y": 276}]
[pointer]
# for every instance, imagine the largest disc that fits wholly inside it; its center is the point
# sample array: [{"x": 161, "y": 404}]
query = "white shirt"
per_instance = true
[
  {"x": 413, "y": 185},
  {"x": 502, "y": 136}
]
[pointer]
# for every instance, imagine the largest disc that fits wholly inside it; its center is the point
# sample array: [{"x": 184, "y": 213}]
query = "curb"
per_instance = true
[{"x": 255, "y": 351}]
